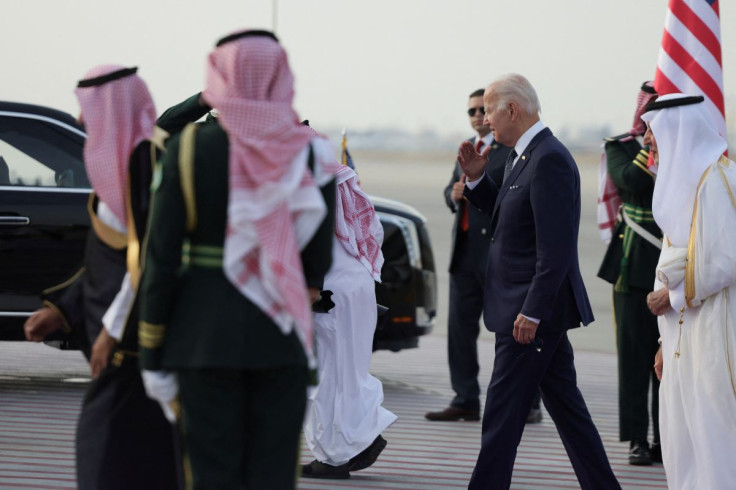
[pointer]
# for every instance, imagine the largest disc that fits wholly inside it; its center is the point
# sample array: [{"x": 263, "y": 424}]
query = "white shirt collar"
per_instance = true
[
  {"x": 487, "y": 140},
  {"x": 527, "y": 138}
]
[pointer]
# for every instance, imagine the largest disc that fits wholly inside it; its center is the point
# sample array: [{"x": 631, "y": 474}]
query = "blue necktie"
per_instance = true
[{"x": 509, "y": 164}]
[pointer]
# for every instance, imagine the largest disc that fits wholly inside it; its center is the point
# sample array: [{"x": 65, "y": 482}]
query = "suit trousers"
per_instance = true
[
  {"x": 463, "y": 326},
  {"x": 636, "y": 338},
  {"x": 241, "y": 428},
  {"x": 519, "y": 370}
]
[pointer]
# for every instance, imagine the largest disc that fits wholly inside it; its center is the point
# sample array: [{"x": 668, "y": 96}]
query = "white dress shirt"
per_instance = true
[{"x": 487, "y": 141}]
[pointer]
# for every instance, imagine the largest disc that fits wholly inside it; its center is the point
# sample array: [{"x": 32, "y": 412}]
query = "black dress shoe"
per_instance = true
[
  {"x": 639, "y": 454},
  {"x": 655, "y": 452},
  {"x": 317, "y": 469},
  {"x": 367, "y": 456},
  {"x": 534, "y": 416},
  {"x": 453, "y": 413}
]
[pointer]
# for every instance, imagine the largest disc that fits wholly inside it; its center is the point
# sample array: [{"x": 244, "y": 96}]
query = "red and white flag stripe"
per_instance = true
[{"x": 690, "y": 56}]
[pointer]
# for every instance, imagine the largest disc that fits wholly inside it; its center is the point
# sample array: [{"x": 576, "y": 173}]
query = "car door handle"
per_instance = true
[{"x": 14, "y": 220}]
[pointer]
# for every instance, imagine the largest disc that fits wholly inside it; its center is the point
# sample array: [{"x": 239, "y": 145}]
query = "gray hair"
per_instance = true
[{"x": 515, "y": 87}]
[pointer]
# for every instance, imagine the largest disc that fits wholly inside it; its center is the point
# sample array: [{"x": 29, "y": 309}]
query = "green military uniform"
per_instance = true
[
  {"x": 629, "y": 264},
  {"x": 236, "y": 369},
  {"x": 176, "y": 117}
]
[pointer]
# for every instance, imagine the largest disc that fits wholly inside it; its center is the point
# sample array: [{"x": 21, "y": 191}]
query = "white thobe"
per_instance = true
[
  {"x": 697, "y": 397},
  {"x": 344, "y": 413}
]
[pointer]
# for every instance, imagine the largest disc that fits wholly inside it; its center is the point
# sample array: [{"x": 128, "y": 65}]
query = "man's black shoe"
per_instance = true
[
  {"x": 534, "y": 416},
  {"x": 452, "y": 414},
  {"x": 367, "y": 456},
  {"x": 639, "y": 454},
  {"x": 656, "y": 452},
  {"x": 316, "y": 469}
]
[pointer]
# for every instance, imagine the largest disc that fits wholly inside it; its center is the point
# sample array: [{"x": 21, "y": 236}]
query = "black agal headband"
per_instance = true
[
  {"x": 91, "y": 82},
  {"x": 648, "y": 88},
  {"x": 238, "y": 35},
  {"x": 664, "y": 104}
]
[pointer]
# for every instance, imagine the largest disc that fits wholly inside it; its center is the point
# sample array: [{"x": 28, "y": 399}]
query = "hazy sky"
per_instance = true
[{"x": 360, "y": 64}]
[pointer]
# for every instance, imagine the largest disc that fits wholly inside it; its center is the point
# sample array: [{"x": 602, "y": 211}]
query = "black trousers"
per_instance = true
[
  {"x": 463, "y": 327},
  {"x": 519, "y": 371},
  {"x": 636, "y": 339},
  {"x": 241, "y": 429},
  {"x": 123, "y": 440}
]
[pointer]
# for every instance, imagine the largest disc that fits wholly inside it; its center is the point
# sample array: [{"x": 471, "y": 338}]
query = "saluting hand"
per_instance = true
[
  {"x": 472, "y": 162},
  {"x": 458, "y": 188}
]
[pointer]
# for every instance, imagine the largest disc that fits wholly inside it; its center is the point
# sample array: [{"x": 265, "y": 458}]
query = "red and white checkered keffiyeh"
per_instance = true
[
  {"x": 608, "y": 198},
  {"x": 275, "y": 205},
  {"x": 644, "y": 98},
  {"x": 356, "y": 225},
  {"x": 608, "y": 202},
  {"x": 117, "y": 116}
]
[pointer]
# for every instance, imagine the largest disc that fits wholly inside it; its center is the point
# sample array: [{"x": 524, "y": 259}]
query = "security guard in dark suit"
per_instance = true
[
  {"x": 470, "y": 241},
  {"x": 629, "y": 264}
]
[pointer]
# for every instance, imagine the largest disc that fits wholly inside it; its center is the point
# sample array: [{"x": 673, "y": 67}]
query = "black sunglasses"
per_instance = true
[{"x": 471, "y": 111}]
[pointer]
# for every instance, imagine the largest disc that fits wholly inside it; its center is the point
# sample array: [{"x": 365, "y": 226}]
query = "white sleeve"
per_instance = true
[
  {"x": 117, "y": 313},
  {"x": 532, "y": 319},
  {"x": 108, "y": 217},
  {"x": 677, "y": 296},
  {"x": 473, "y": 183}
]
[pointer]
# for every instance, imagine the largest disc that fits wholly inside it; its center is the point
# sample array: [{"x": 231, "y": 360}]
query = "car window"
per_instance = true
[{"x": 37, "y": 153}]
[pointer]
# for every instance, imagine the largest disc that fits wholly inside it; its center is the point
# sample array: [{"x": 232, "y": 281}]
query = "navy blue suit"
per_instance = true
[
  {"x": 467, "y": 279},
  {"x": 533, "y": 269}
]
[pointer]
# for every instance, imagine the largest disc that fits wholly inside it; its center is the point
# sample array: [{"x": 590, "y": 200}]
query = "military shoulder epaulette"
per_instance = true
[{"x": 617, "y": 138}]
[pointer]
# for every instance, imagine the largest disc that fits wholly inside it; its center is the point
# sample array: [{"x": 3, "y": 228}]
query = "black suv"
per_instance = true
[{"x": 44, "y": 222}]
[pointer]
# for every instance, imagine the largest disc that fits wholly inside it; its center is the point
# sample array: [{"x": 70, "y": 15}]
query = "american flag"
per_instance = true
[{"x": 690, "y": 56}]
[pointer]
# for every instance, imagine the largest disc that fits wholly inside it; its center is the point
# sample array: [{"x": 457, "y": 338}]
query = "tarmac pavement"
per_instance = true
[
  {"x": 441, "y": 455},
  {"x": 41, "y": 390}
]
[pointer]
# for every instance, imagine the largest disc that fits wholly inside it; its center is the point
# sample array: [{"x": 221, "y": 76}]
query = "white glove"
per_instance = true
[{"x": 162, "y": 386}]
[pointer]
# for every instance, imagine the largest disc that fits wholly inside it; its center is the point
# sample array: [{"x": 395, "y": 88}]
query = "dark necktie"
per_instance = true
[{"x": 509, "y": 164}]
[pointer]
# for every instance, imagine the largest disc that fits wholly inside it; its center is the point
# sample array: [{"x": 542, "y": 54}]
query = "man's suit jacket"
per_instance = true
[
  {"x": 479, "y": 223},
  {"x": 533, "y": 258}
]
